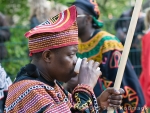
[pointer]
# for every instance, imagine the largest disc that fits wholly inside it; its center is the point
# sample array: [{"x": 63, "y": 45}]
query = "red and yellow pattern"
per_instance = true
[
  {"x": 41, "y": 42},
  {"x": 34, "y": 96},
  {"x": 58, "y": 23},
  {"x": 56, "y": 32}
]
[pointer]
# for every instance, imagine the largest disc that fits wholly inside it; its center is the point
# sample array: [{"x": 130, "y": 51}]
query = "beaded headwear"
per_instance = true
[{"x": 58, "y": 31}]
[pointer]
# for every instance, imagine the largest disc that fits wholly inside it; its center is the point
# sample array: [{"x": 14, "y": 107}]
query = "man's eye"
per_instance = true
[{"x": 72, "y": 54}]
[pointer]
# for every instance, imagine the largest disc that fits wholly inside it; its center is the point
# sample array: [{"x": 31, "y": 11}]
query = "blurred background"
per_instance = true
[{"x": 22, "y": 15}]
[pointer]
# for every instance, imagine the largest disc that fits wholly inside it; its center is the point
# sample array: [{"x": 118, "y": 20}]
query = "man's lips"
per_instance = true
[{"x": 74, "y": 74}]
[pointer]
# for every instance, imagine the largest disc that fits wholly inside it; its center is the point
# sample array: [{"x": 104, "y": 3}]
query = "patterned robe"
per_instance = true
[
  {"x": 33, "y": 94},
  {"x": 106, "y": 49}
]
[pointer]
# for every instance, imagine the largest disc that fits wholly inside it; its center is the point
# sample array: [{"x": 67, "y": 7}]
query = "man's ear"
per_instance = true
[
  {"x": 89, "y": 19},
  {"x": 47, "y": 55}
]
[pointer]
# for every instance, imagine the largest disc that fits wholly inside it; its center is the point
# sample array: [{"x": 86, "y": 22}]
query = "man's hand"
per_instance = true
[
  {"x": 110, "y": 98},
  {"x": 88, "y": 75}
]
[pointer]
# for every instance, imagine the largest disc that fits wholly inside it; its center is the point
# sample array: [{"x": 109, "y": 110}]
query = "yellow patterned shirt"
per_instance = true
[{"x": 94, "y": 48}]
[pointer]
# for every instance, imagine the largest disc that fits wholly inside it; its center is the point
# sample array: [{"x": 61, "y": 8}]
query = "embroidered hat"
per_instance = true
[{"x": 58, "y": 31}]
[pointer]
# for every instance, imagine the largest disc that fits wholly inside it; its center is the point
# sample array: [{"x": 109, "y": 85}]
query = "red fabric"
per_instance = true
[{"x": 145, "y": 75}]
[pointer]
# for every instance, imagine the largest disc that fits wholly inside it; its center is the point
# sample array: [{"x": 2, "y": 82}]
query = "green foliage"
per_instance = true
[
  {"x": 17, "y": 46},
  {"x": 18, "y": 8},
  {"x": 17, "y": 52},
  {"x": 65, "y": 2}
]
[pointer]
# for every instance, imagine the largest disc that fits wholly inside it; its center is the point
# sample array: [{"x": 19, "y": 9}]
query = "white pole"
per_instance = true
[{"x": 127, "y": 45}]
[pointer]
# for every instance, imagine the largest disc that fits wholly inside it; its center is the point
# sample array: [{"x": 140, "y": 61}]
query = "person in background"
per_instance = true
[
  {"x": 41, "y": 10},
  {"x": 53, "y": 47},
  {"x": 4, "y": 36},
  {"x": 145, "y": 74},
  {"x": 103, "y": 47},
  {"x": 122, "y": 26}
]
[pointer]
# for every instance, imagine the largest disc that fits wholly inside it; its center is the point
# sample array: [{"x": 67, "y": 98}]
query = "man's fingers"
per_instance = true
[
  {"x": 84, "y": 61},
  {"x": 115, "y": 97},
  {"x": 91, "y": 62},
  {"x": 121, "y": 91},
  {"x": 111, "y": 90},
  {"x": 115, "y": 102},
  {"x": 96, "y": 64}
]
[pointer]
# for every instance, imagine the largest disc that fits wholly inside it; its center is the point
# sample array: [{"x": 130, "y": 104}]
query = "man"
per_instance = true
[
  {"x": 53, "y": 47},
  {"x": 106, "y": 49}
]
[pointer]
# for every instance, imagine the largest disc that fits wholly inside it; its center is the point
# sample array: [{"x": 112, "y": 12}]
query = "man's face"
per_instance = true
[
  {"x": 63, "y": 63},
  {"x": 81, "y": 21}
]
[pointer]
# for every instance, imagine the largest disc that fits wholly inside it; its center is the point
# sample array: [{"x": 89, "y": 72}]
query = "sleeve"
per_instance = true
[
  {"x": 4, "y": 30},
  {"x": 133, "y": 97},
  {"x": 82, "y": 100},
  {"x": 5, "y": 82},
  {"x": 47, "y": 100}
]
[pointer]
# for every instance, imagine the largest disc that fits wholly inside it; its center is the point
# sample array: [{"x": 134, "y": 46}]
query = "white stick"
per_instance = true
[{"x": 127, "y": 45}]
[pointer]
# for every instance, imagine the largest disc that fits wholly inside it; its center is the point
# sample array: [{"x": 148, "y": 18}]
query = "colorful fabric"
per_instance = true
[
  {"x": 36, "y": 95},
  {"x": 145, "y": 75},
  {"x": 56, "y": 32},
  {"x": 106, "y": 49},
  {"x": 5, "y": 82},
  {"x": 90, "y": 7}
]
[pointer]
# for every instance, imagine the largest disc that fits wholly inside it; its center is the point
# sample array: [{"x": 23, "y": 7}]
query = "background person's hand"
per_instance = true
[
  {"x": 110, "y": 98},
  {"x": 88, "y": 73}
]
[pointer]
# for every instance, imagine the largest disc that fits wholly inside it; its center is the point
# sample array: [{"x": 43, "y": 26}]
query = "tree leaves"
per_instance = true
[{"x": 18, "y": 11}]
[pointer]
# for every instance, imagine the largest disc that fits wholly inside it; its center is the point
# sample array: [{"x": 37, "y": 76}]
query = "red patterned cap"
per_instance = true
[{"x": 58, "y": 31}]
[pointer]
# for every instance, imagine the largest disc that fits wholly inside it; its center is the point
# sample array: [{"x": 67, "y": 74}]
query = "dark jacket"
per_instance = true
[
  {"x": 4, "y": 36},
  {"x": 122, "y": 26}
]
